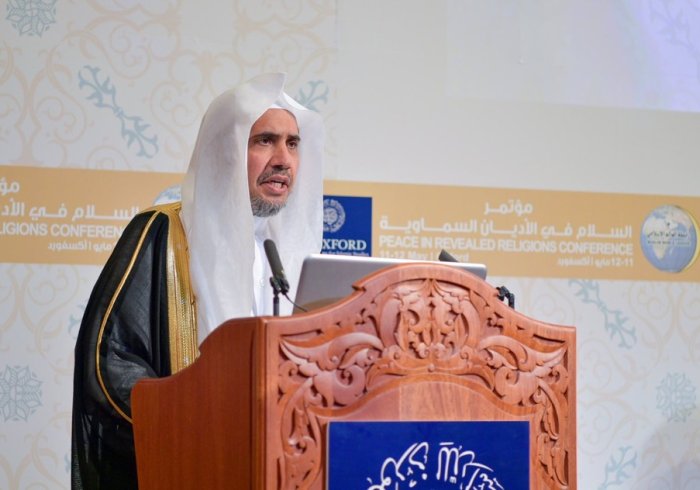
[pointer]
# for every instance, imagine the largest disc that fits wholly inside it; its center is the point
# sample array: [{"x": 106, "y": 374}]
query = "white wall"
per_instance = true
[{"x": 554, "y": 95}]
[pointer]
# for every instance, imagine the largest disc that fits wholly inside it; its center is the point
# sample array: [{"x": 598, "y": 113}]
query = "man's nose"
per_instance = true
[{"x": 281, "y": 157}]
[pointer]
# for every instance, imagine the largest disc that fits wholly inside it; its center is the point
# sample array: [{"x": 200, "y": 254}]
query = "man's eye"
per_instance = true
[{"x": 293, "y": 144}]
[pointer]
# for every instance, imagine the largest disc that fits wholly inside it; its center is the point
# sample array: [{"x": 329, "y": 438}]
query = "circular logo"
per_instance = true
[
  {"x": 171, "y": 194},
  {"x": 333, "y": 215},
  {"x": 669, "y": 238}
]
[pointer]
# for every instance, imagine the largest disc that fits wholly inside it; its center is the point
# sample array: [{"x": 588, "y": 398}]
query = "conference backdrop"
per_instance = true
[{"x": 554, "y": 142}]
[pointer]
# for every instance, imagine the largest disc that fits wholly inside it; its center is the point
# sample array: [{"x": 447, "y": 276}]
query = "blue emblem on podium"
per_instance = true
[{"x": 428, "y": 455}]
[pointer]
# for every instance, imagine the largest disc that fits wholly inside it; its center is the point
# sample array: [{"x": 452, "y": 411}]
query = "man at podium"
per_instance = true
[{"x": 182, "y": 269}]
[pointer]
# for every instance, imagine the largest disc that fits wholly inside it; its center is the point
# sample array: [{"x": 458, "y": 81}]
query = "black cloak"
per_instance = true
[{"x": 140, "y": 322}]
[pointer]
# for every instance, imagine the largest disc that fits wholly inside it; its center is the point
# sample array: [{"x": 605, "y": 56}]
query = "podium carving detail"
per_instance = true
[{"x": 422, "y": 327}]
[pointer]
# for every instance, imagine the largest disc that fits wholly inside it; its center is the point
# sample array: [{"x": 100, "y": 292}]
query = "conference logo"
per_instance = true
[
  {"x": 347, "y": 225},
  {"x": 669, "y": 238},
  {"x": 333, "y": 215},
  {"x": 453, "y": 467},
  {"x": 428, "y": 455}
]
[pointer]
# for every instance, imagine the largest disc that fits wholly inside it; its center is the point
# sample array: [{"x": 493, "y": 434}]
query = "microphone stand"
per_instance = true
[{"x": 276, "y": 289}]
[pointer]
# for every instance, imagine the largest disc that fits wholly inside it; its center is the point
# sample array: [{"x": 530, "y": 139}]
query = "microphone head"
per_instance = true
[
  {"x": 271, "y": 251},
  {"x": 446, "y": 257}
]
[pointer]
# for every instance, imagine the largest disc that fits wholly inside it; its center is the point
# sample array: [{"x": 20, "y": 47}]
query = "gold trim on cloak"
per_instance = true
[{"x": 182, "y": 312}]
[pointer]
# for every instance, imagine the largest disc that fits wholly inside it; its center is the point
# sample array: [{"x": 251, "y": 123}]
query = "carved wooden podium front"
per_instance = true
[{"x": 413, "y": 343}]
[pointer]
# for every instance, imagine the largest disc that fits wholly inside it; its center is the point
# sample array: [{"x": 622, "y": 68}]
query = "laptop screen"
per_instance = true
[{"x": 327, "y": 278}]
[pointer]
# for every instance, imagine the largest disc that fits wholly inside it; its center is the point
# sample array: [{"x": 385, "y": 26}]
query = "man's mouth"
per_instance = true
[
  {"x": 275, "y": 181},
  {"x": 277, "y": 184}
]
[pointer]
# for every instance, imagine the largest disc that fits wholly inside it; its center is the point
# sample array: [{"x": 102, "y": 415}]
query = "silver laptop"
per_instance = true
[{"x": 327, "y": 278}]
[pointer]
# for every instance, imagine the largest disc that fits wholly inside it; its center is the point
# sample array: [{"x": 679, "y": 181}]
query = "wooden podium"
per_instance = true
[{"x": 413, "y": 342}]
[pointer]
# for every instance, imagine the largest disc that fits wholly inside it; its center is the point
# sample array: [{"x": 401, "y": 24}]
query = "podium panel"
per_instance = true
[
  {"x": 435, "y": 455},
  {"x": 412, "y": 343}
]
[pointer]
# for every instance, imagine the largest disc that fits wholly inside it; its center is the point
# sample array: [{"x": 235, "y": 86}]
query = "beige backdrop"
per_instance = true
[{"x": 480, "y": 96}]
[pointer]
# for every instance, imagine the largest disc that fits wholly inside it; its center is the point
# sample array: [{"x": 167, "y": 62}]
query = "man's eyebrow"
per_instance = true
[
  {"x": 273, "y": 135},
  {"x": 265, "y": 134}
]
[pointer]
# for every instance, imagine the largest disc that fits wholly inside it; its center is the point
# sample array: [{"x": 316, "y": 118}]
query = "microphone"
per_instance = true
[
  {"x": 445, "y": 256},
  {"x": 278, "y": 279},
  {"x": 503, "y": 293}
]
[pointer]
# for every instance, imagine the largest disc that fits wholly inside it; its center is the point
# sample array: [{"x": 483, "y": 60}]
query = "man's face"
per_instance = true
[{"x": 273, "y": 160}]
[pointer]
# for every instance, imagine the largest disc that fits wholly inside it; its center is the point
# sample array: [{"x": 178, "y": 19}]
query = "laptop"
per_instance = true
[{"x": 327, "y": 278}]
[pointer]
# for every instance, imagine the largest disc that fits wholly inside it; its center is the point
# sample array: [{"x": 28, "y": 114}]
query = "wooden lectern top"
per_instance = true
[{"x": 413, "y": 342}]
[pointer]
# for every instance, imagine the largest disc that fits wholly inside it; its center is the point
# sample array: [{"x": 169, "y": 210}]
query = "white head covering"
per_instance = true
[{"x": 216, "y": 209}]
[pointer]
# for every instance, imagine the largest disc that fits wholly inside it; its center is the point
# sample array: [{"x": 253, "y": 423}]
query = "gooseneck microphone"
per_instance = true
[
  {"x": 278, "y": 279},
  {"x": 445, "y": 256},
  {"x": 503, "y": 293}
]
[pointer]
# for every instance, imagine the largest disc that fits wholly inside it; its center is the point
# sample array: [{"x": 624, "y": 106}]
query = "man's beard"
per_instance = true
[{"x": 262, "y": 208}]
